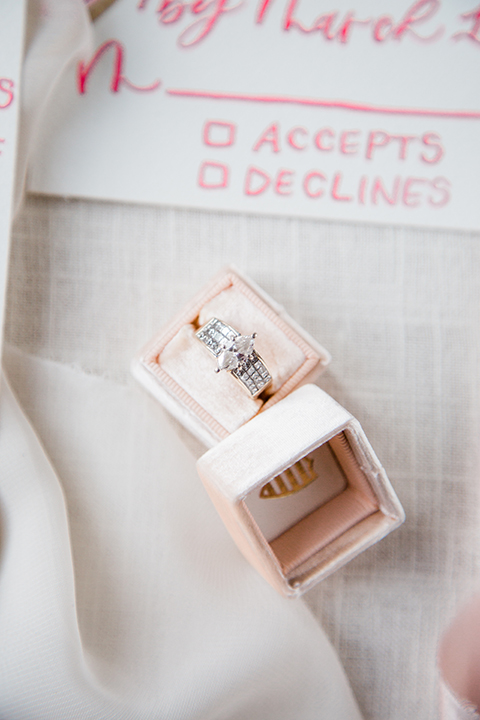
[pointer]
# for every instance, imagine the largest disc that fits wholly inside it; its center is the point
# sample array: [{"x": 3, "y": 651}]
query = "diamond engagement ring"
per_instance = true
[{"x": 235, "y": 353}]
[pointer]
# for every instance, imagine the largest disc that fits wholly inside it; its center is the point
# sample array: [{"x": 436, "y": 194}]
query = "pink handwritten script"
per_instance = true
[
  {"x": 365, "y": 111},
  {"x": 6, "y": 99},
  {"x": 6, "y": 92},
  {"x": 118, "y": 78},
  {"x": 200, "y": 17}
]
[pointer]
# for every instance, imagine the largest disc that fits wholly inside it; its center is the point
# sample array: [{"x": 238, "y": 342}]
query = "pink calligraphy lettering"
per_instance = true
[
  {"x": 473, "y": 33},
  {"x": 262, "y": 9},
  {"x": 6, "y": 87},
  {"x": 319, "y": 139},
  {"x": 293, "y": 139},
  {"x": 289, "y": 21},
  {"x": 378, "y": 188},
  {"x": 411, "y": 198},
  {"x": 343, "y": 33},
  {"x": 433, "y": 140},
  {"x": 404, "y": 142},
  {"x": 417, "y": 23},
  {"x": 169, "y": 11},
  {"x": 323, "y": 24},
  {"x": 362, "y": 189},
  {"x": 256, "y": 181},
  {"x": 314, "y": 175},
  {"x": 270, "y": 135},
  {"x": 441, "y": 185},
  {"x": 283, "y": 182},
  {"x": 382, "y": 28},
  {"x": 376, "y": 139},
  {"x": 348, "y": 145},
  {"x": 336, "y": 189},
  {"x": 118, "y": 78},
  {"x": 420, "y": 11},
  {"x": 211, "y": 11}
]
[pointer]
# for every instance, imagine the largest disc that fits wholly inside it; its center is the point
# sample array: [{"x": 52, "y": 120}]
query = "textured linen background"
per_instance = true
[
  {"x": 134, "y": 603},
  {"x": 399, "y": 311}
]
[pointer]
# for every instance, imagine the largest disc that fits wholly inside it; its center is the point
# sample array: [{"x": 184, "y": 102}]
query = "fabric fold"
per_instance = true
[{"x": 167, "y": 619}]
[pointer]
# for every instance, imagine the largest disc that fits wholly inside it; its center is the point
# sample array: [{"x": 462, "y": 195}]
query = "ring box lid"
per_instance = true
[{"x": 297, "y": 539}]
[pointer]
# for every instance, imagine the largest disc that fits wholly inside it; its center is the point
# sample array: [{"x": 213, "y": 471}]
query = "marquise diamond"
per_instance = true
[
  {"x": 243, "y": 345},
  {"x": 227, "y": 360},
  {"x": 235, "y": 352}
]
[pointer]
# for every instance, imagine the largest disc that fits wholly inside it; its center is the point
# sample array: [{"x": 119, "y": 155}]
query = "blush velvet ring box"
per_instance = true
[{"x": 290, "y": 471}]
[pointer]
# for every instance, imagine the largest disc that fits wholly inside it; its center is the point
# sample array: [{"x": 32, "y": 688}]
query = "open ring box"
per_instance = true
[{"x": 290, "y": 472}]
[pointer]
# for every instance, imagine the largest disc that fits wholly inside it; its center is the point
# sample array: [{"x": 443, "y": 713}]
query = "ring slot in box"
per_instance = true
[
  {"x": 178, "y": 370},
  {"x": 342, "y": 501}
]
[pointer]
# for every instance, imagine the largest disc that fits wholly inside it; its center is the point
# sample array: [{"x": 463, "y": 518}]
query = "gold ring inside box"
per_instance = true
[
  {"x": 235, "y": 353},
  {"x": 291, "y": 480}
]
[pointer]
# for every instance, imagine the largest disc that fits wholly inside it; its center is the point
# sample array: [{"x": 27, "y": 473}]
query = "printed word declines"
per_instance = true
[
  {"x": 199, "y": 18},
  {"x": 411, "y": 192}
]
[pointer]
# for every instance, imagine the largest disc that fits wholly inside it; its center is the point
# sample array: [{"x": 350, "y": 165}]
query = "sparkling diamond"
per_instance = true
[
  {"x": 234, "y": 351},
  {"x": 243, "y": 345},
  {"x": 227, "y": 360}
]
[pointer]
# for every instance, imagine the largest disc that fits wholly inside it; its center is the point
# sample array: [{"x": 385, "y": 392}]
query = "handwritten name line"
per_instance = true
[
  {"x": 118, "y": 79},
  {"x": 320, "y": 102}
]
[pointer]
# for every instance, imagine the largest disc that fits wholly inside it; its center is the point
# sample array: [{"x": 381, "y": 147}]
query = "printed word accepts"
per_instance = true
[
  {"x": 347, "y": 142},
  {"x": 198, "y": 18}
]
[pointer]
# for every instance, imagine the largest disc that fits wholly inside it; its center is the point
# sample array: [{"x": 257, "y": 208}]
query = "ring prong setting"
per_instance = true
[{"x": 236, "y": 354}]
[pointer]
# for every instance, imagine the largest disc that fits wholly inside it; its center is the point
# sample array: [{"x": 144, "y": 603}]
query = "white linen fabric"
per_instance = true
[{"x": 124, "y": 597}]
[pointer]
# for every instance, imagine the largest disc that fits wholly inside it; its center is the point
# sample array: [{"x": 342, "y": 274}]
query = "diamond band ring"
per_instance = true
[{"x": 235, "y": 353}]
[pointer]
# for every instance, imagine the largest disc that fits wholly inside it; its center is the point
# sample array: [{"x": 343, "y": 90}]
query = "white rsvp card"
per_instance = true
[{"x": 351, "y": 111}]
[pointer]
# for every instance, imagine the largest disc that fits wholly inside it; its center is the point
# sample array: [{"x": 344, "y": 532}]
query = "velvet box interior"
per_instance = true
[
  {"x": 180, "y": 372},
  {"x": 300, "y": 490}
]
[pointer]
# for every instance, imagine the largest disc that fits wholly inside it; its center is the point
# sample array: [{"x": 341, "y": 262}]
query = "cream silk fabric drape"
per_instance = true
[
  {"x": 166, "y": 620},
  {"x": 121, "y": 594}
]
